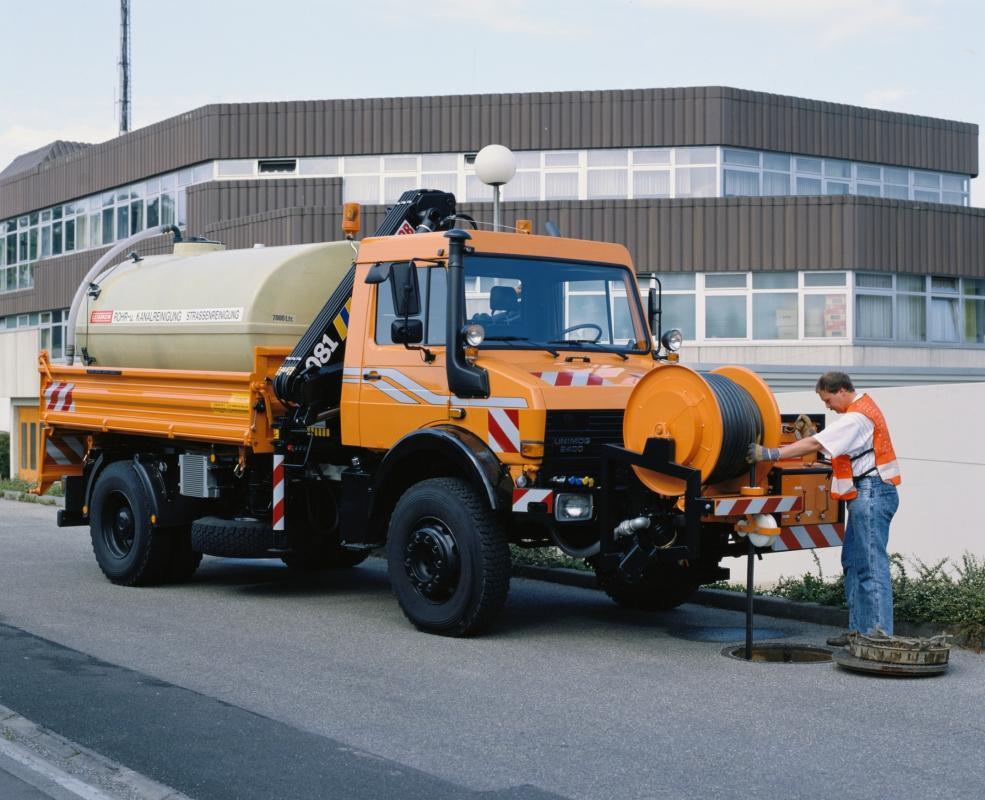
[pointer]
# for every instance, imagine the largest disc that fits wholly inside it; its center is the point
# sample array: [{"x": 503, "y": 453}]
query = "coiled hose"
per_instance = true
[{"x": 742, "y": 423}]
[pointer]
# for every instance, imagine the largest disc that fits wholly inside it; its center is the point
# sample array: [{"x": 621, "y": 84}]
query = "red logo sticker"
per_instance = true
[{"x": 100, "y": 317}]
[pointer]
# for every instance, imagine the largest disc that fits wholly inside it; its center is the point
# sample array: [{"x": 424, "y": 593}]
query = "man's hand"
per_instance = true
[{"x": 756, "y": 452}]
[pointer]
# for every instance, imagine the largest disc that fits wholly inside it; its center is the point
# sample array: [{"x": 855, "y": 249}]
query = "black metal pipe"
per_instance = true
[{"x": 749, "y": 572}]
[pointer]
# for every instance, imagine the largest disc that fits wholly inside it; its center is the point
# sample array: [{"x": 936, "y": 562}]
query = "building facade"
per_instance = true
[{"x": 789, "y": 234}]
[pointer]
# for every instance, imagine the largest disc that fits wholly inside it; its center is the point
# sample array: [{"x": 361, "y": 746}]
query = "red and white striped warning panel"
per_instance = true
[
  {"x": 732, "y": 506},
  {"x": 64, "y": 450},
  {"x": 522, "y": 498},
  {"x": 278, "y": 492},
  {"x": 58, "y": 396},
  {"x": 808, "y": 537},
  {"x": 570, "y": 377},
  {"x": 504, "y": 430}
]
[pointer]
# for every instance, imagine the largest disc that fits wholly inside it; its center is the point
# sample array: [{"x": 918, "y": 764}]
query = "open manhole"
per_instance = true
[{"x": 781, "y": 653}]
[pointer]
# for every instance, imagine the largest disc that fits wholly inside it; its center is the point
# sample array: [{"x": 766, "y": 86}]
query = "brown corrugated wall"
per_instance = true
[{"x": 460, "y": 123}]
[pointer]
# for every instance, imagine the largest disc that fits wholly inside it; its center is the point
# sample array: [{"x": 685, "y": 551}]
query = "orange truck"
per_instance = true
[{"x": 443, "y": 394}]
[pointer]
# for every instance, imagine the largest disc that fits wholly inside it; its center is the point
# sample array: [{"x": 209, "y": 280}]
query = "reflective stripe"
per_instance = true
[
  {"x": 278, "y": 504},
  {"x": 504, "y": 430},
  {"x": 809, "y": 537},
  {"x": 522, "y": 498}
]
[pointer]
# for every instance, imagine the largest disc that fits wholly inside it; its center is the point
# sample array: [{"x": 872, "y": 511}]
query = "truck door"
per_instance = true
[{"x": 400, "y": 391}]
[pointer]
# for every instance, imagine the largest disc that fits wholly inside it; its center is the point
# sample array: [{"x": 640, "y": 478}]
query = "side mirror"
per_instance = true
[
  {"x": 407, "y": 331},
  {"x": 405, "y": 288}
]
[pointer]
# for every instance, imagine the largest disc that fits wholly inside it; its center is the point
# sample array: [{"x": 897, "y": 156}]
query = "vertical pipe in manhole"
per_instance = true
[
  {"x": 751, "y": 558},
  {"x": 750, "y": 567}
]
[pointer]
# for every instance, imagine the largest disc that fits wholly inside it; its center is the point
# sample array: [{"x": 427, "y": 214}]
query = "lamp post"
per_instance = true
[{"x": 494, "y": 166}]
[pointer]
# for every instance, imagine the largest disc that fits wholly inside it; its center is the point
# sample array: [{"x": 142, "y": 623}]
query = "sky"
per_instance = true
[{"x": 59, "y": 57}]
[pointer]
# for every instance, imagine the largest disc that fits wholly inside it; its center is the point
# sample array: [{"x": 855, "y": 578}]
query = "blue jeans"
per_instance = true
[{"x": 868, "y": 588}]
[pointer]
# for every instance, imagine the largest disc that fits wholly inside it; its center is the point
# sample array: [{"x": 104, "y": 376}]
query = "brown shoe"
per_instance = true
[{"x": 841, "y": 640}]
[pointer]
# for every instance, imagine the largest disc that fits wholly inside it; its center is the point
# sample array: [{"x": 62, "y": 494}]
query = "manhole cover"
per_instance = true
[
  {"x": 710, "y": 633},
  {"x": 781, "y": 653}
]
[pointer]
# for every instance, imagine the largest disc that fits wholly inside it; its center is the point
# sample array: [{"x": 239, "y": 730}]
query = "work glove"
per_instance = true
[
  {"x": 756, "y": 452},
  {"x": 804, "y": 427}
]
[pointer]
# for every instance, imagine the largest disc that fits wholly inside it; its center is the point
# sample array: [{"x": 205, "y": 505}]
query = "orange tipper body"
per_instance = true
[
  {"x": 460, "y": 391},
  {"x": 79, "y": 402}
]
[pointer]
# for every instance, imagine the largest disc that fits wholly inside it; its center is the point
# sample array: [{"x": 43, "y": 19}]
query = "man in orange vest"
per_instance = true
[{"x": 866, "y": 474}]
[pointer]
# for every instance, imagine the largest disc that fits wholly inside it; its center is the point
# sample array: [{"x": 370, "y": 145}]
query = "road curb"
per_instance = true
[
  {"x": 25, "y": 497},
  {"x": 778, "y": 607},
  {"x": 62, "y": 761}
]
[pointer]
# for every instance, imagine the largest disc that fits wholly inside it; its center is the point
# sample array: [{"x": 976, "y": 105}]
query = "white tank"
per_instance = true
[{"x": 205, "y": 308}]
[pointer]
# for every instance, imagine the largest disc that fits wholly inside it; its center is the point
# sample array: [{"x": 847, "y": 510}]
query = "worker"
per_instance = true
[{"x": 865, "y": 473}]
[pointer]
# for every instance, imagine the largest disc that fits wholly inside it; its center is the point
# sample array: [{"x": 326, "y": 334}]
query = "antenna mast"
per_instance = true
[{"x": 124, "y": 65}]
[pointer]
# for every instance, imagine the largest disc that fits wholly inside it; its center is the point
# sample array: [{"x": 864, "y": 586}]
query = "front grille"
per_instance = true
[{"x": 575, "y": 438}]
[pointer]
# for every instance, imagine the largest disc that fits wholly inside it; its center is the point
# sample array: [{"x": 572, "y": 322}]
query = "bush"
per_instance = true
[
  {"x": 946, "y": 593},
  {"x": 4, "y": 455}
]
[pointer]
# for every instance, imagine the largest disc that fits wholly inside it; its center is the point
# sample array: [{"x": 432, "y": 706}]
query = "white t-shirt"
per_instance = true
[{"x": 850, "y": 434}]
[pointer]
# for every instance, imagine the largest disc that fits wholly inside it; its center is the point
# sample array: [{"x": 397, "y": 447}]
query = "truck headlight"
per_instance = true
[
  {"x": 672, "y": 340},
  {"x": 474, "y": 335},
  {"x": 569, "y": 507}
]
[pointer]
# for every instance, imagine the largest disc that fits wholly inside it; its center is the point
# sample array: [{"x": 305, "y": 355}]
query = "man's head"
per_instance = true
[{"x": 836, "y": 391}]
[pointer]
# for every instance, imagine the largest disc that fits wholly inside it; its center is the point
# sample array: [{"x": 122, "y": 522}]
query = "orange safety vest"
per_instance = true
[{"x": 842, "y": 485}]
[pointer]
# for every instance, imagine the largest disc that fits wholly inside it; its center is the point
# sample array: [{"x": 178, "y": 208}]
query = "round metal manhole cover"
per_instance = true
[
  {"x": 712, "y": 633},
  {"x": 781, "y": 654}
]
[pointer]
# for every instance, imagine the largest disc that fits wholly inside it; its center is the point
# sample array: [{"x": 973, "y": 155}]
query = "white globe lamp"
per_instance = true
[{"x": 494, "y": 166}]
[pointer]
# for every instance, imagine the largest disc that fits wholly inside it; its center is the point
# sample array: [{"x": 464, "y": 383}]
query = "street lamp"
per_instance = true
[{"x": 494, "y": 166}]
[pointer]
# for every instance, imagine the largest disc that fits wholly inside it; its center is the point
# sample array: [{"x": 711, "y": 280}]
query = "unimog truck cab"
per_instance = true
[{"x": 461, "y": 391}]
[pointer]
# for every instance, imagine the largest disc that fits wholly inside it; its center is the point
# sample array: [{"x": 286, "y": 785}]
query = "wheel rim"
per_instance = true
[
  {"x": 431, "y": 560},
  {"x": 119, "y": 525}
]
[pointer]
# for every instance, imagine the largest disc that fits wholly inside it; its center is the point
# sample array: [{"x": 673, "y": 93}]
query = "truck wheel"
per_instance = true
[
  {"x": 448, "y": 559},
  {"x": 660, "y": 589},
  {"x": 128, "y": 549},
  {"x": 313, "y": 558}
]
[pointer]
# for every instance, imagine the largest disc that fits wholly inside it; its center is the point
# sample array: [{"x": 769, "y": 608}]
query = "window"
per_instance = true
[
  {"x": 776, "y": 184},
  {"x": 432, "y": 282},
  {"x": 238, "y": 167},
  {"x": 607, "y": 183},
  {"x": 745, "y": 158},
  {"x": 696, "y": 182},
  {"x": 725, "y": 317},
  {"x": 651, "y": 156},
  {"x": 911, "y": 318},
  {"x": 561, "y": 186},
  {"x": 825, "y": 316},
  {"x": 739, "y": 183},
  {"x": 808, "y": 185},
  {"x": 974, "y": 321},
  {"x": 651, "y": 183},
  {"x": 873, "y": 317}
]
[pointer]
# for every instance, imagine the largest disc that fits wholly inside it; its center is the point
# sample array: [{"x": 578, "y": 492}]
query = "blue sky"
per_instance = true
[{"x": 59, "y": 57}]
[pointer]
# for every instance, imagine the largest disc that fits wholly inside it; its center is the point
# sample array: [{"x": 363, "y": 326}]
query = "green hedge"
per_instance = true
[
  {"x": 4, "y": 455},
  {"x": 949, "y": 593}
]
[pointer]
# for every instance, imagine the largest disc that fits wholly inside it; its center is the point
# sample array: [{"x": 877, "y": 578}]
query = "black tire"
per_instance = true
[
  {"x": 448, "y": 558},
  {"x": 232, "y": 538},
  {"x": 660, "y": 589},
  {"x": 313, "y": 558},
  {"x": 128, "y": 548},
  {"x": 184, "y": 560}
]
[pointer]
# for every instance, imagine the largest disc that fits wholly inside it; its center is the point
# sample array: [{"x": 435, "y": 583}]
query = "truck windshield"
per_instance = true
[{"x": 539, "y": 303}]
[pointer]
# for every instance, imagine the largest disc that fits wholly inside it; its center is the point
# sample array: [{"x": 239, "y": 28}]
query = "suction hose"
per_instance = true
[
  {"x": 741, "y": 423},
  {"x": 97, "y": 270}
]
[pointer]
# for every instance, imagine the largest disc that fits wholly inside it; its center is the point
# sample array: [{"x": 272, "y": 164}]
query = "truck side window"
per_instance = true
[{"x": 433, "y": 283}]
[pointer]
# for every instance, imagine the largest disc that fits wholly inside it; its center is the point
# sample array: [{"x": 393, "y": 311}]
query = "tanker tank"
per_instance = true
[{"x": 205, "y": 308}]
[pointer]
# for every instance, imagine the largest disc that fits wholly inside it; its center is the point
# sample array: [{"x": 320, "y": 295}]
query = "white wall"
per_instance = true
[
  {"x": 940, "y": 444},
  {"x": 19, "y": 363}
]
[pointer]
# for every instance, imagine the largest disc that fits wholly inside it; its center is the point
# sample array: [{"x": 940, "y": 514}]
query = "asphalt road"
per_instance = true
[{"x": 252, "y": 682}]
